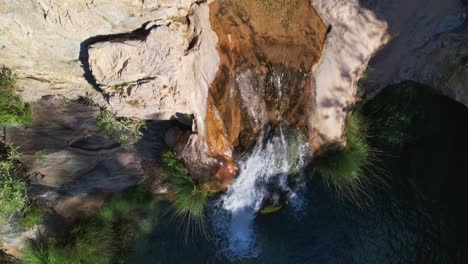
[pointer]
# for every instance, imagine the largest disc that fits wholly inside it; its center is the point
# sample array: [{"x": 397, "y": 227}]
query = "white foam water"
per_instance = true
[{"x": 270, "y": 161}]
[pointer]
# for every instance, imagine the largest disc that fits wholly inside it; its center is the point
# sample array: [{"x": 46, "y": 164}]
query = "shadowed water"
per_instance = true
[{"x": 327, "y": 231}]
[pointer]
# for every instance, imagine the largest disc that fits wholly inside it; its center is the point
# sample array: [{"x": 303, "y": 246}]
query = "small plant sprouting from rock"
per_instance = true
[
  {"x": 123, "y": 130},
  {"x": 190, "y": 197},
  {"x": 32, "y": 216},
  {"x": 41, "y": 155},
  {"x": 74, "y": 61}
]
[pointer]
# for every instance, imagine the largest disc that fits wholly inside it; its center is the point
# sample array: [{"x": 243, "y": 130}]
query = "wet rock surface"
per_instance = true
[{"x": 267, "y": 51}]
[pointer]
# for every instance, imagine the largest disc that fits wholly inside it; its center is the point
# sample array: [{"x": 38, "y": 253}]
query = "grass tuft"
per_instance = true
[
  {"x": 189, "y": 196},
  {"x": 346, "y": 168},
  {"x": 123, "y": 130}
]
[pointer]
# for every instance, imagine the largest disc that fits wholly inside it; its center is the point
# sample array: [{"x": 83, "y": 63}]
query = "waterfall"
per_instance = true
[{"x": 263, "y": 175}]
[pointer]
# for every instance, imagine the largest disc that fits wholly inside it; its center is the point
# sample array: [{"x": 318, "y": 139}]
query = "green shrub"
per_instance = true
[
  {"x": 123, "y": 130},
  {"x": 345, "y": 168},
  {"x": 12, "y": 109},
  {"x": 13, "y": 191},
  {"x": 189, "y": 196},
  {"x": 7, "y": 78},
  {"x": 86, "y": 243},
  {"x": 13, "y": 198}
]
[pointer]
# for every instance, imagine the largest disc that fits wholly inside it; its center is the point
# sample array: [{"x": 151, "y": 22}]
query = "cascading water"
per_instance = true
[{"x": 263, "y": 178}]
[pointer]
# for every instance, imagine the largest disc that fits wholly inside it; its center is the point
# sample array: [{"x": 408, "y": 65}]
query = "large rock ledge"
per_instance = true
[
  {"x": 163, "y": 69},
  {"x": 41, "y": 40}
]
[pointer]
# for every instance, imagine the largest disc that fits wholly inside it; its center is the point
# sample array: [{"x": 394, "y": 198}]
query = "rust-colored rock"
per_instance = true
[{"x": 267, "y": 51}]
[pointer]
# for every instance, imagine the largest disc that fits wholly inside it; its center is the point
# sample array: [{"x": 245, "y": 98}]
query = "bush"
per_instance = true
[
  {"x": 13, "y": 191},
  {"x": 12, "y": 109},
  {"x": 7, "y": 78},
  {"x": 189, "y": 196},
  {"x": 345, "y": 168},
  {"x": 123, "y": 130}
]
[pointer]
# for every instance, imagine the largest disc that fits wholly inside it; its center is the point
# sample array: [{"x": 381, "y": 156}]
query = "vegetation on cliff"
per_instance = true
[
  {"x": 13, "y": 191},
  {"x": 345, "y": 168},
  {"x": 189, "y": 196},
  {"x": 13, "y": 111},
  {"x": 123, "y": 130},
  {"x": 104, "y": 238}
]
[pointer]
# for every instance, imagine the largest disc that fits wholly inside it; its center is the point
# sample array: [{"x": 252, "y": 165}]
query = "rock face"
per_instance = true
[
  {"x": 356, "y": 35},
  {"x": 158, "y": 71},
  {"x": 41, "y": 40},
  {"x": 142, "y": 59},
  {"x": 429, "y": 45}
]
